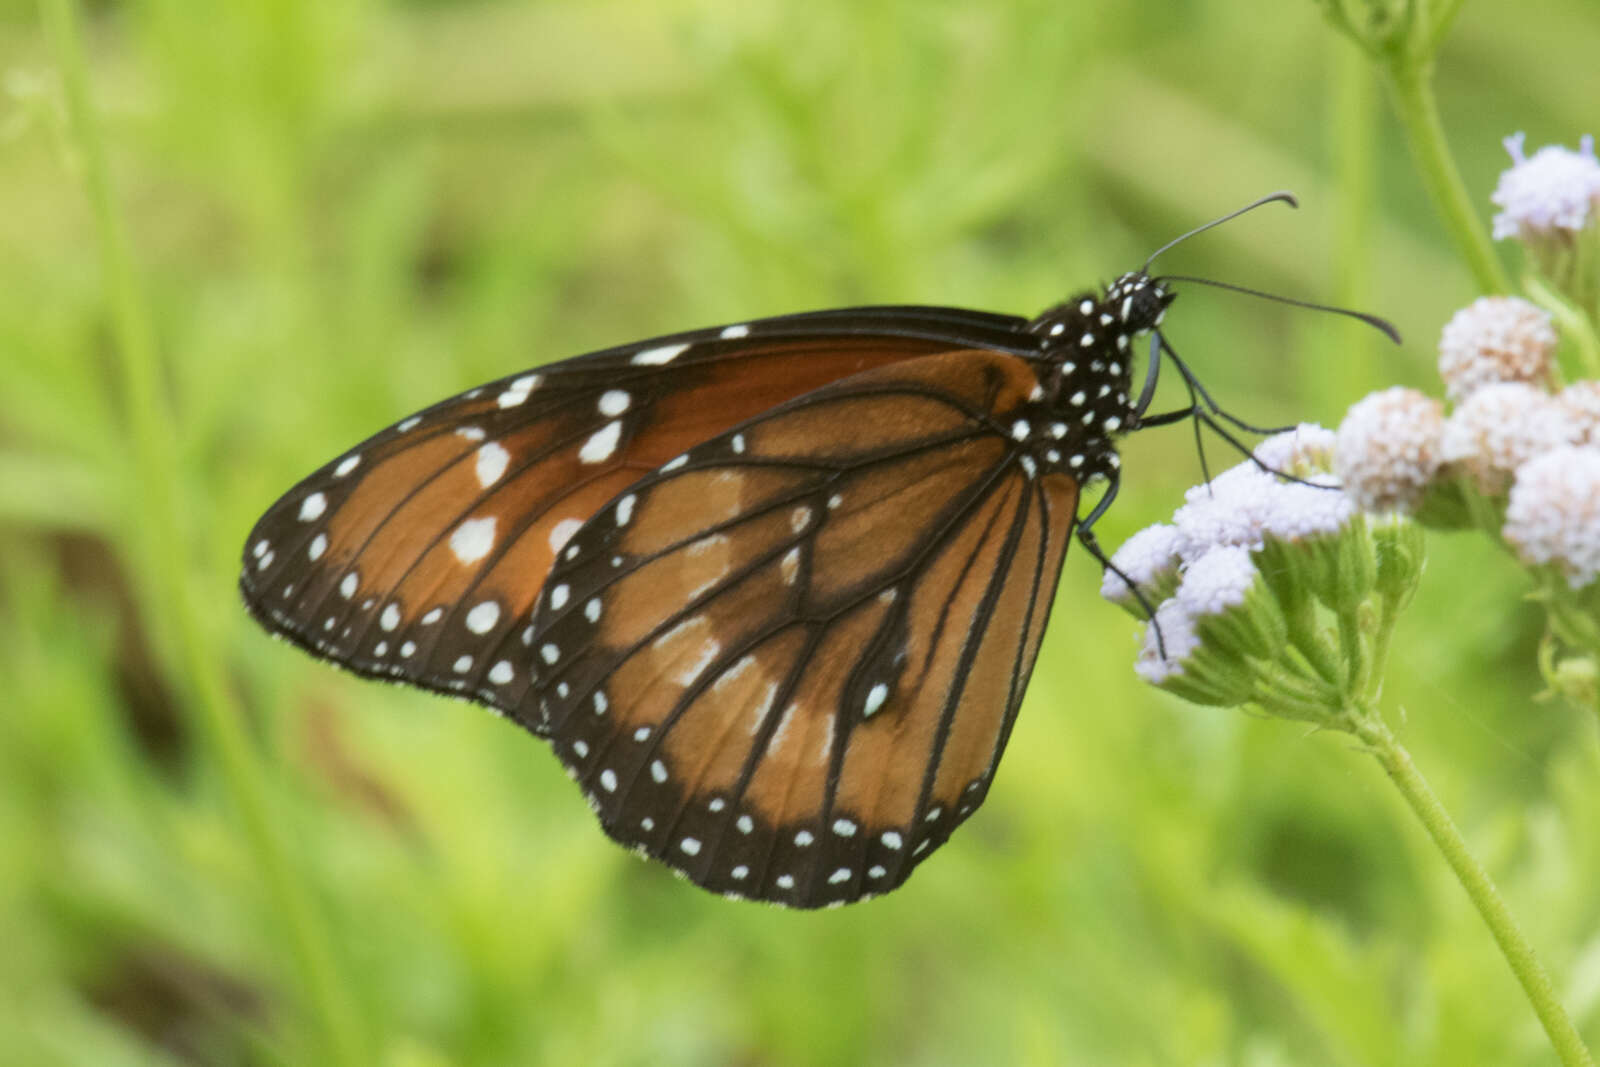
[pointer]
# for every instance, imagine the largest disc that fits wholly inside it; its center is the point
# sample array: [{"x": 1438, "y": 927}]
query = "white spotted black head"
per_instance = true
[{"x": 1088, "y": 396}]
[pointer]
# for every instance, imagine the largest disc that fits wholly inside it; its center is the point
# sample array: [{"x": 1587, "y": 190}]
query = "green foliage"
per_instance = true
[{"x": 340, "y": 211}]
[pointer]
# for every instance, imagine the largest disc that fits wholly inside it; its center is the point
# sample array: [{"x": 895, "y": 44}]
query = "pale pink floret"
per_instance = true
[
  {"x": 1581, "y": 401},
  {"x": 1555, "y": 189},
  {"x": 1144, "y": 558},
  {"x": 1553, "y": 514},
  {"x": 1496, "y": 339},
  {"x": 1217, "y": 581},
  {"x": 1500, "y": 427},
  {"x": 1177, "y": 629},
  {"x": 1303, "y": 450},
  {"x": 1300, "y": 512},
  {"x": 1389, "y": 449},
  {"x": 1231, "y": 509}
]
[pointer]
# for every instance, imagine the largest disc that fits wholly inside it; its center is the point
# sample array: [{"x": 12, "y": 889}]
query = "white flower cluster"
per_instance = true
[
  {"x": 1390, "y": 449},
  {"x": 1553, "y": 514},
  {"x": 1499, "y": 428},
  {"x": 1202, "y": 565},
  {"x": 1496, "y": 339},
  {"x": 1509, "y": 438},
  {"x": 1554, "y": 190},
  {"x": 1580, "y": 402}
]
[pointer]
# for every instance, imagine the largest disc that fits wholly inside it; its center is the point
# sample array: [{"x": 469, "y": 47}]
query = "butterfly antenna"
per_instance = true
[
  {"x": 1281, "y": 195},
  {"x": 1383, "y": 325}
]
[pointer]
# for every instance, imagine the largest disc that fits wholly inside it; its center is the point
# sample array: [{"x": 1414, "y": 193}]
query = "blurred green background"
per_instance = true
[{"x": 341, "y": 211}]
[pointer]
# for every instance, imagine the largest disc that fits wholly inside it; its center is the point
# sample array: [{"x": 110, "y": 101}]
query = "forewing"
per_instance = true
[
  {"x": 787, "y": 662},
  {"x": 418, "y": 554}
]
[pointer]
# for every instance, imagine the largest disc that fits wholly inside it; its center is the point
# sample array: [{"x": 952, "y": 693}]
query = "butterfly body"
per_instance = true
[{"x": 771, "y": 590}]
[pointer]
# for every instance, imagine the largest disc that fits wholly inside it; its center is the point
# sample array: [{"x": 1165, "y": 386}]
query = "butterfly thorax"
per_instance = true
[{"x": 1086, "y": 396}]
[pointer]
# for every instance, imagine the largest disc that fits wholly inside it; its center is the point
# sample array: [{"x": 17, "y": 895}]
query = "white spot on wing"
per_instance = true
[
  {"x": 731, "y": 332},
  {"x": 656, "y": 356},
  {"x": 319, "y": 545},
  {"x": 562, "y": 532},
  {"x": 481, "y": 619},
  {"x": 473, "y": 539},
  {"x": 783, "y": 729},
  {"x": 708, "y": 652},
  {"x": 491, "y": 464},
  {"x": 518, "y": 391},
  {"x": 614, "y": 402},
  {"x": 312, "y": 507},
  {"x": 625, "y": 509},
  {"x": 501, "y": 672},
  {"x": 602, "y": 443},
  {"x": 349, "y": 464},
  {"x": 875, "y": 699}
]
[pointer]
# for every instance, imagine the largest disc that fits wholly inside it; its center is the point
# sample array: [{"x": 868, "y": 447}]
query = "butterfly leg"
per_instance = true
[{"x": 1091, "y": 545}]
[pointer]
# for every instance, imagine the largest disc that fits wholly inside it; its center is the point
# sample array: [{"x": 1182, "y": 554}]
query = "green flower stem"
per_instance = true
[
  {"x": 1411, "y": 82},
  {"x": 1276, "y": 700},
  {"x": 1573, "y": 321},
  {"x": 1353, "y": 645},
  {"x": 159, "y": 539},
  {"x": 1474, "y": 879},
  {"x": 1352, "y": 148},
  {"x": 1388, "y": 616},
  {"x": 1305, "y": 638}
]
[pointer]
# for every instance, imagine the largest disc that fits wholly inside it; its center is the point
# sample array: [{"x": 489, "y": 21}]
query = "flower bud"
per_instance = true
[
  {"x": 1303, "y": 451},
  {"x": 1389, "y": 449},
  {"x": 1581, "y": 402},
  {"x": 1553, "y": 191},
  {"x": 1185, "y": 669},
  {"x": 1553, "y": 514},
  {"x": 1399, "y": 550},
  {"x": 1150, "y": 559},
  {"x": 1496, "y": 339},
  {"x": 1499, "y": 428},
  {"x": 1234, "y": 613}
]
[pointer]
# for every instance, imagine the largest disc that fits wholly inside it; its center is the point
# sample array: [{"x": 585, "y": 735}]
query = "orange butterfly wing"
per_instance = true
[
  {"x": 787, "y": 662},
  {"x": 417, "y": 555}
]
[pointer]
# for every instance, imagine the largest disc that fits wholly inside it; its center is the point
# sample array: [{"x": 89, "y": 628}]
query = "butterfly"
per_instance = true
[{"x": 771, "y": 590}]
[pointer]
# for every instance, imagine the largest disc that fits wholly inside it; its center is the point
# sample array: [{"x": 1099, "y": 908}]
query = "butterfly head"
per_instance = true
[{"x": 1138, "y": 302}]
